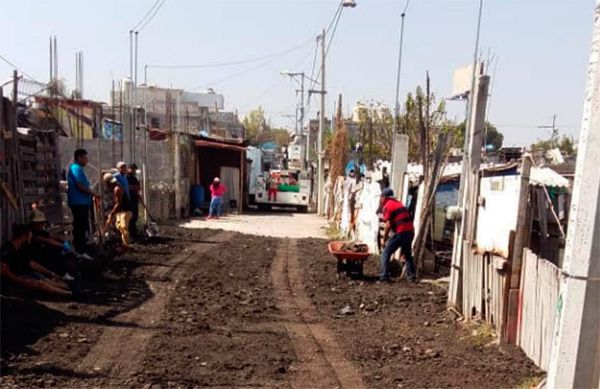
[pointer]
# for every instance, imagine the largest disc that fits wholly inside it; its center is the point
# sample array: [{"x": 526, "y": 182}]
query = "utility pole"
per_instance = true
[
  {"x": 455, "y": 288},
  {"x": 321, "y": 172},
  {"x": 397, "y": 103},
  {"x": 299, "y": 114},
  {"x": 399, "y": 142},
  {"x": 134, "y": 122},
  {"x": 575, "y": 357},
  {"x": 554, "y": 134}
]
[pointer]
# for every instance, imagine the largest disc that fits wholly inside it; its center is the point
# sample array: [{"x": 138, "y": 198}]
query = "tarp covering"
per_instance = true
[{"x": 367, "y": 222}]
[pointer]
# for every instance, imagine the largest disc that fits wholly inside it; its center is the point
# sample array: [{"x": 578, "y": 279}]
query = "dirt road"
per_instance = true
[{"x": 210, "y": 308}]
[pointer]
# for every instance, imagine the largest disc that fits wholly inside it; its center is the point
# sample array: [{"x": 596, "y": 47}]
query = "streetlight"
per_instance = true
[
  {"x": 322, "y": 92},
  {"x": 397, "y": 102}
]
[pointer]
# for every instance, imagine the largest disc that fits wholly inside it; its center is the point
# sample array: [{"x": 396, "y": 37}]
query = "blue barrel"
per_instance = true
[{"x": 196, "y": 196}]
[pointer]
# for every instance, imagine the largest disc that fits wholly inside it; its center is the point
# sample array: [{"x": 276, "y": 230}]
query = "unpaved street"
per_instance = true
[{"x": 220, "y": 309}]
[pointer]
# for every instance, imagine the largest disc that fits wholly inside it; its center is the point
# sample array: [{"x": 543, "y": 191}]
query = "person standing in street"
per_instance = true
[
  {"x": 120, "y": 212},
  {"x": 134, "y": 197},
  {"x": 80, "y": 197},
  {"x": 398, "y": 220},
  {"x": 217, "y": 190}
]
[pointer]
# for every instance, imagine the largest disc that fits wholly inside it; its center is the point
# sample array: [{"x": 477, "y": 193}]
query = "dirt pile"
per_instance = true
[{"x": 401, "y": 334}]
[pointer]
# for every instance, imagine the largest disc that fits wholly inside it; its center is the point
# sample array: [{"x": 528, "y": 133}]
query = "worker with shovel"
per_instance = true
[
  {"x": 398, "y": 220},
  {"x": 120, "y": 212}
]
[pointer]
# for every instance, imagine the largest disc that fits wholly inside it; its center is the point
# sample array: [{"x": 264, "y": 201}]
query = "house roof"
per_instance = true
[
  {"x": 544, "y": 176},
  {"x": 218, "y": 145}
]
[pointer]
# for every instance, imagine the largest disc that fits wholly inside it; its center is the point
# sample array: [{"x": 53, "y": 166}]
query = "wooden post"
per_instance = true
[{"x": 516, "y": 256}]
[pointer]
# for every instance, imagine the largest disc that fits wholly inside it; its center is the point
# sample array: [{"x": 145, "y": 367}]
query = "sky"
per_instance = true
[{"x": 539, "y": 51}]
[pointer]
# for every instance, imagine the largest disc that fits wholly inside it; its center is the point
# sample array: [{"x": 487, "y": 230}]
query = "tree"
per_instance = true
[
  {"x": 421, "y": 112},
  {"x": 278, "y": 135},
  {"x": 565, "y": 145},
  {"x": 375, "y": 129},
  {"x": 254, "y": 123},
  {"x": 493, "y": 136}
]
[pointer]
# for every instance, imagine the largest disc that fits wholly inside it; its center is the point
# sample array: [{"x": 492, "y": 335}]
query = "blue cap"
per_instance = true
[{"x": 387, "y": 192}]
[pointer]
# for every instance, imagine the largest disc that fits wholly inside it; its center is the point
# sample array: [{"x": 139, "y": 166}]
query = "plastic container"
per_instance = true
[{"x": 197, "y": 196}]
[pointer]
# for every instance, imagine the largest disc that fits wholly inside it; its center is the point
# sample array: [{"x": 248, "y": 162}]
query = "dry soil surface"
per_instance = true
[{"x": 213, "y": 308}]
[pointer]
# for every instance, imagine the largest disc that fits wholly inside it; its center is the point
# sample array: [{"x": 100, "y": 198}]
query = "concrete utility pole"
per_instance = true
[
  {"x": 455, "y": 288},
  {"x": 399, "y": 141},
  {"x": 321, "y": 172},
  {"x": 575, "y": 358},
  {"x": 469, "y": 186}
]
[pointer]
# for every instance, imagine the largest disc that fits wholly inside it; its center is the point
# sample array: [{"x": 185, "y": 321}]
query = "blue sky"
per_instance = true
[{"x": 541, "y": 49}]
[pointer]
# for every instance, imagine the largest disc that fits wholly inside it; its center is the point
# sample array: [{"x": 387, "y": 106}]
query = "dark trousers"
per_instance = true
[
  {"x": 402, "y": 241},
  {"x": 81, "y": 226},
  {"x": 135, "y": 212}
]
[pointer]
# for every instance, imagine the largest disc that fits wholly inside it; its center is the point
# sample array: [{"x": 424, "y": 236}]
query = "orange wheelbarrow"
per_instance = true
[{"x": 348, "y": 262}]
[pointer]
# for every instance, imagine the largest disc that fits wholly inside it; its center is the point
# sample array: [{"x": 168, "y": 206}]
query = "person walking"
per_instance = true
[
  {"x": 79, "y": 196},
  {"x": 398, "y": 220},
  {"x": 217, "y": 190}
]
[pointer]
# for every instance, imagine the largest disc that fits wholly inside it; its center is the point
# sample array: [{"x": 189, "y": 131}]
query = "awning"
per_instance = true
[{"x": 217, "y": 145}]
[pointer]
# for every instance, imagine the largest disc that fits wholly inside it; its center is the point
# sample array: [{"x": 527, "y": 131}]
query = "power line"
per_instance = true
[
  {"x": 406, "y": 6},
  {"x": 146, "y": 15},
  {"x": 270, "y": 88},
  {"x": 16, "y": 67},
  {"x": 152, "y": 16},
  {"x": 244, "y": 72},
  {"x": 237, "y": 62}
]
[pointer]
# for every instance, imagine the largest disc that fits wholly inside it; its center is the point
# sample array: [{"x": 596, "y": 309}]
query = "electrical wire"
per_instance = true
[
  {"x": 231, "y": 76},
  {"x": 146, "y": 15},
  {"x": 269, "y": 60},
  {"x": 152, "y": 16},
  {"x": 406, "y": 6},
  {"x": 17, "y": 68},
  {"x": 238, "y": 62}
]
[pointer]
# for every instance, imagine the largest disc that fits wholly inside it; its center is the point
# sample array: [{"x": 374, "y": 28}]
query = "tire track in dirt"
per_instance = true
[
  {"x": 120, "y": 349},
  {"x": 321, "y": 362}
]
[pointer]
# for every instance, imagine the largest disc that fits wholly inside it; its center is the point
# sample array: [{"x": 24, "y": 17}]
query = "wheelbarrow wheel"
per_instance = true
[{"x": 340, "y": 268}]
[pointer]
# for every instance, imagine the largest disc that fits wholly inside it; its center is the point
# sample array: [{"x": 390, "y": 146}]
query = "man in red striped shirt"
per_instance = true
[{"x": 397, "y": 219}]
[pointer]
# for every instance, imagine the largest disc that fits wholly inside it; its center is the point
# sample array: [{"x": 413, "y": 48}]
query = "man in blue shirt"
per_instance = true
[
  {"x": 80, "y": 197},
  {"x": 121, "y": 177}
]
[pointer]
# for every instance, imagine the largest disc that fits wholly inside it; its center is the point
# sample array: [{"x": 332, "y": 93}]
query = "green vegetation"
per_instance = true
[{"x": 258, "y": 130}]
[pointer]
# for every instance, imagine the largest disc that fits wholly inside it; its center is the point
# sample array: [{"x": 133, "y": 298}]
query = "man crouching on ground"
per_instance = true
[
  {"x": 398, "y": 220},
  {"x": 120, "y": 213},
  {"x": 20, "y": 270}
]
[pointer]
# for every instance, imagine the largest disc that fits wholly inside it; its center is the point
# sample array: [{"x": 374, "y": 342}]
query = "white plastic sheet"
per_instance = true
[{"x": 367, "y": 223}]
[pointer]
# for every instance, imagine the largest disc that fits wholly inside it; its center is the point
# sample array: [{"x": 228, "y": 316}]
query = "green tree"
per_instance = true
[
  {"x": 420, "y": 110},
  {"x": 255, "y": 123},
  {"x": 278, "y": 135},
  {"x": 565, "y": 145},
  {"x": 493, "y": 136},
  {"x": 375, "y": 133}
]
